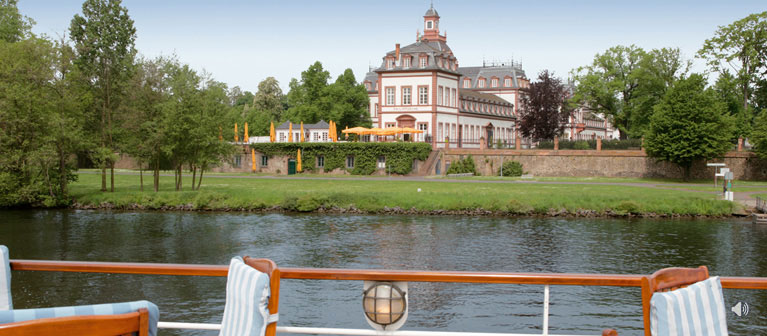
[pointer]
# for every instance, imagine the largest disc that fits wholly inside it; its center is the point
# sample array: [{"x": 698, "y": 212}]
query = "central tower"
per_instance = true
[{"x": 431, "y": 26}]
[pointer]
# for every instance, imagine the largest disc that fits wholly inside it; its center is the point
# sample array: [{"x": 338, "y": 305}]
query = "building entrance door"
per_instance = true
[
  {"x": 489, "y": 135},
  {"x": 291, "y": 167}
]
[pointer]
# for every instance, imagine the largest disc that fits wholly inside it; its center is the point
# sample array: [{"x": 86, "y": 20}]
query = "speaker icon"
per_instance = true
[{"x": 740, "y": 309}]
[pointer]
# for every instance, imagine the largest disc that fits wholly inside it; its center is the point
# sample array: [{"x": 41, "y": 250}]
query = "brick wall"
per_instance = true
[{"x": 623, "y": 163}]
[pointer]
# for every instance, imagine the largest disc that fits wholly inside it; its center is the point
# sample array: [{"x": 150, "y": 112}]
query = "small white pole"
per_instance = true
[{"x": 545, "y": 310}]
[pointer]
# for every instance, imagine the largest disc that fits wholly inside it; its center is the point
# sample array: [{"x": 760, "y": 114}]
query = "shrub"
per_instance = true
[
  {"x": 308, "y": 204},
  {"x": 581, "y": 145},
  {"x": 463, "y": 166},
  {"x": 511, "y": 168}
]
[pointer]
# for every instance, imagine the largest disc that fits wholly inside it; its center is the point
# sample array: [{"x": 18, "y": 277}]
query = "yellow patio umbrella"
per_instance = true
[
  {"x": 373, "y": 130},
  {"x": 220, "y": 134},
  {"x": 302, "y": 132},
  {"x": 253, "y": 159},
  {"x": 387, "y": 131},
  {"x": 332, "y": 131},
  {"x": 271, "y": 132},
  {"x": 355, "y": 130},
  {"x": 290, "y": 132},
  {"x": 236, "y": 138},
  {"x": 411, "y": 130},
  {"x": 298, "y": 164},
  {"x": 246, "y": 137}
]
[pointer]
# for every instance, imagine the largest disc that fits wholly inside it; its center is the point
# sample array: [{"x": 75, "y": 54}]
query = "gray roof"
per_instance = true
[
  {"x": 501, "y": 72},
  {"x": 432, "y": 49},
  {"x": 431, "y": 11},
  {"x": 297, "y": 127},
  {"x": 371, "y": 77},
  {"x": 473, "y": 96}
]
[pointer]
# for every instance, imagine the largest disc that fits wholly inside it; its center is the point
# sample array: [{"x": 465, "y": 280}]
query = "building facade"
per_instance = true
[
  {"x": 422, "y": 86},
  {"x": 312, "y": 132}
]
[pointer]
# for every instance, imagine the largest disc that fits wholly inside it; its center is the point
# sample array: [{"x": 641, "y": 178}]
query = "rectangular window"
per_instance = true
[
  {"x": 237, "y": 161},
  {"x": 454, "y": 102},
  {"x": 423, "y": 95},
  {"x": 494, "y": 82},
  {"x": 390, "y": 63},
  {"x": 282, "y": 136},
  {"x": 350, "y": 161},
  {"x": 423, "y": 61},
  {"x": 324, "y": 136},
  {"x": 406, "y": 94},
  {"x": 315, "y": 136},
  {"x": 507, "y": 82},
  {"x": 375, "y": 113},
  {"x": 321, "y": 161},
  {"x": 439, "y": 132},
  {"x": 382, "y": 162},
  {"x": 264, "y": 160},
  {"x": 422, "y": 127},
  {"x": 467, "y": 83},
  {"x": 389, "y": 96},
  {"x": 440, "y": 90},
  {"x": 481, "y": 83},
  {"x": 406, "y": 62}
]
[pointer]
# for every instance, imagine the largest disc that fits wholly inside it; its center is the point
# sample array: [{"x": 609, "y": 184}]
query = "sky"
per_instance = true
[{"x": 242, "y": 42}]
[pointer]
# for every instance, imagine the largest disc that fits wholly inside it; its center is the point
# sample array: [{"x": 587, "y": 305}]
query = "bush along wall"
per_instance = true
[{"x": 399, "y": 155}]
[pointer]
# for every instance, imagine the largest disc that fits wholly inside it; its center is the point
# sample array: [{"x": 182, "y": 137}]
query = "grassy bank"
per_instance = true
[{"x": 378, "y": 195}]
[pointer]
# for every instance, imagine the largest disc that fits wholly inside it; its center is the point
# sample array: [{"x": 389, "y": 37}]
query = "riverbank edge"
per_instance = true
[{"x": 352, "y": 210}]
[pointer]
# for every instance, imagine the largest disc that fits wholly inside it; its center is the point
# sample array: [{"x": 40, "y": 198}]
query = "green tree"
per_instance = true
[
  {"x": 104, "y": 39},
  {"x": 742, "y": 47},
  {"x": 269, "y": 99},
  {"x": 624, "y": 83},
  {"x": 689, "y": 124},
  {"x": 305, "y": 97},
  {"x": 14, "y": 27},
  {"x": 728, "y": 91},
  {"x": 40, "y": 123},
  {"x": 346, "y": 102}
]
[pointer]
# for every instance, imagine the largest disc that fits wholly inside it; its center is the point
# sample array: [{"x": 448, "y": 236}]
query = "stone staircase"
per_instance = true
[{"x": 428, "y": 167}]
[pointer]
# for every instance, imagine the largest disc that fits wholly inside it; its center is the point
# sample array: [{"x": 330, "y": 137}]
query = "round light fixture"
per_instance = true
[{"x": 385, "y": 304}]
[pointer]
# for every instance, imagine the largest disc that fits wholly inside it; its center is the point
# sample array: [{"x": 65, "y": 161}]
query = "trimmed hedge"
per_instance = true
[
  {"x": 615, "y": 144},
  {"x": 399, "y": 155},
  {"x": 463, "y": 166}
]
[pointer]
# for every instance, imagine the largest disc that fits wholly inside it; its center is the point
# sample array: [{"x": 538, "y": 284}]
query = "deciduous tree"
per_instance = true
[
  {"x": 544, "y": 108},
  {"x": 742, "y": 47},
  {"x": 689, "y": 124},
  {"x": 14, "y": 27},
  {"x": 104, "y": 39}
]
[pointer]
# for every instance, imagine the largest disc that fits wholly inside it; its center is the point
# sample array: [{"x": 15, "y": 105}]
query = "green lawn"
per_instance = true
[{"x": 375, "y": 194}]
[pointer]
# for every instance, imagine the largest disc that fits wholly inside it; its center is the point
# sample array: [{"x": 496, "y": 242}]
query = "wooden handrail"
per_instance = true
[{"x": 572, "y": 279}]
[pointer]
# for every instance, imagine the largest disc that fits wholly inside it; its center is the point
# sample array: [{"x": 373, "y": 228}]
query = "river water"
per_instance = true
[{"x": 727, "y": 247}]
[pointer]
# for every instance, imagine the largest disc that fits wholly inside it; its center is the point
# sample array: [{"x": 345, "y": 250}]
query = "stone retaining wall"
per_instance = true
[{"x": 606, "y": 163}]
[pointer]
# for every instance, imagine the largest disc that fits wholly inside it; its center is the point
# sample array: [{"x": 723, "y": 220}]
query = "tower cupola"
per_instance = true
[{"x": 431, "y": 25}]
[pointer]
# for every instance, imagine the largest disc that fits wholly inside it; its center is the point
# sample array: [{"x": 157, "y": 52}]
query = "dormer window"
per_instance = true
[
  {"x": 481, "y": 83},
  {"x": 406, "y": 62},
  {"x": 423, "y": 61},
  {"x": 467, "y": 83},
  {"x": 389, "y": 63},
  {"x": 507, "y": 82},
  {"x": 494, "y": 82},
  {"x": 440, "y": 63}
]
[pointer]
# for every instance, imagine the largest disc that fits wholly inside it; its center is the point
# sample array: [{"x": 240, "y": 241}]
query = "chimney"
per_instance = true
[{"x": 396, "y": 52}]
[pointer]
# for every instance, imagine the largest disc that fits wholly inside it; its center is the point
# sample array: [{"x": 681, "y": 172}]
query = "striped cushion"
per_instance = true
[
  {"x": 247, "y": 296},
  {"x": 19, "y": 315},
  {"x": 5, "y": 279},
  {"x": 697, "y": 309}
]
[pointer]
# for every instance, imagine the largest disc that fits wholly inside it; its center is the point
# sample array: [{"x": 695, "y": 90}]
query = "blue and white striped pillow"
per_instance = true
[
  {"x": 19, "y": 315},
  {"x": 5, "y": 279},
  {"x": 247, "y": 297},
  {"x": 695, "y": 310}
]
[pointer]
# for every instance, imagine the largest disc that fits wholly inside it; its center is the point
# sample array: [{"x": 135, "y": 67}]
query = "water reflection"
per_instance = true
[{"x": 728, "y": 247}]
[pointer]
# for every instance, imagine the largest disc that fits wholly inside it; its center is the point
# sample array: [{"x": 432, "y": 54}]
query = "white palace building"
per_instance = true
[{"x": 422, "y": 86}]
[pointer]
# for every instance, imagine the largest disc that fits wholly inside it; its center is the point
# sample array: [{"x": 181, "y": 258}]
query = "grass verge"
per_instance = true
[{"x": 382, "y": 196}]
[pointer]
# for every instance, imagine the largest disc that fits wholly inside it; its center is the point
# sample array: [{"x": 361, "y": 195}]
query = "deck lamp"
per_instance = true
[{"x": 385, "y": 304}]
